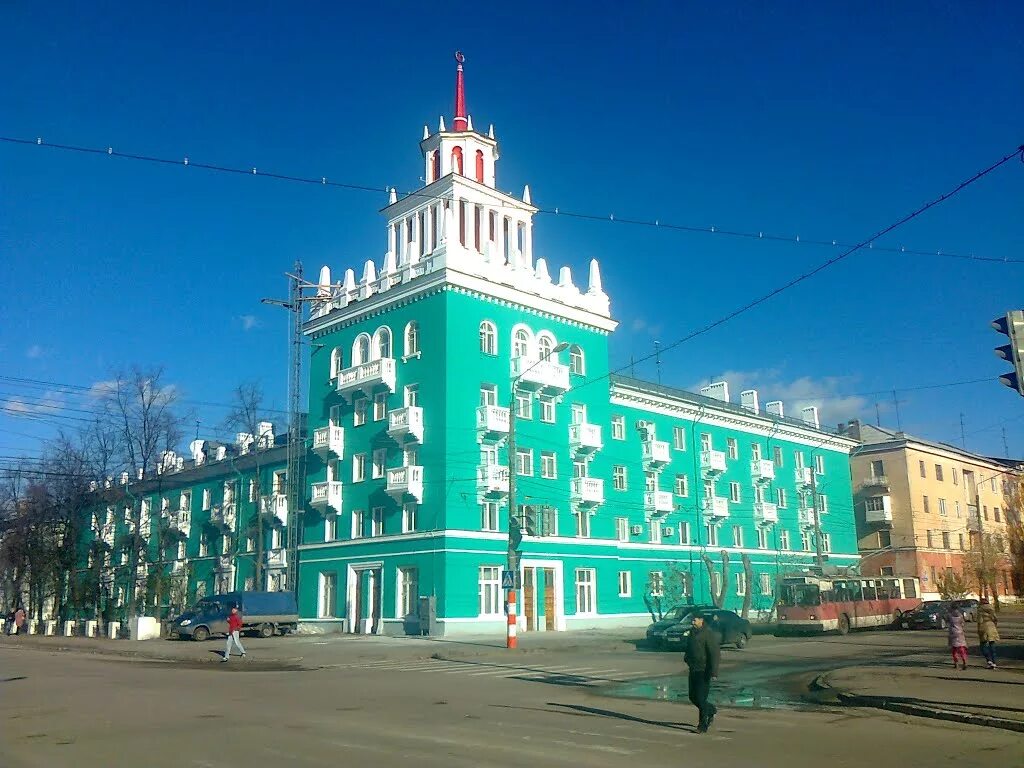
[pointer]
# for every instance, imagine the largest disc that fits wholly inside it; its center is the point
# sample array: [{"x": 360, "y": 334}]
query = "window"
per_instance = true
[
  {"x": 823, "y": 505},
  {"x": 547, "y": 409},
  {"x": 181, "y": 550},
  {"x": 412, "y": 339},
  {"x": 777, "y": 456},
  {"x": 650, "y": 481},
  {"x": 524, "y": 406},
  {"x": 996, "y": 515},
  {"x": 622, "y": 528},
  {"x": 576, "y": 360},
  {"x": 679, "y": 438},
  {"x": 764, "y": 583},
  {"x": 382, "y": 342},
  {"x": 711, "y": 534},
  {"x": 737, "y": 536},
  {"x": 377, "y": 522},
  {"x": 583, "y": 524},
  {"x": 732, "y": 447},
  {"x": 488, "y": 338},
  {"x": 275, "y": 538},
  {"x": 489, "y": 590},
  {"x": 545, "y": 346},
  {"x": 488, "y": 394},
  {"x": 655, "y": 531},
  {"x": 252, "y": 489},
  {"x": 684, "y": 532},
  {"x": 359, "y": 468},
  {"x": 992, "y": 485},
  {"x": 741, "y": 584},
  {"x": 524, "y": 461},
  {"x": 784, "y": 540},
  {"x": 586, "y": 583},
  {"x": 520, "y": 343},
  {"x": 579, "y": 413},
  {"x": 548, "y": 466},
  {"x": 956, "y": 476},
  {"x": 409, "y": 517},
  {"x": 945, "y": 540},
  {"x": 926, "y": 505},
  {"x": 920, "y": 465},
  {"x": 826, "y": 542},
  {"x": 330, "y": 527},
  {"x": 805, "y": 541},
  {"x": 962, "y": 541},
  {"x": 337, "y": 362},
  {"x": 780, "y": 494},
  {"x": 618, "y": 427},
  {"x": 716, "y": 582},
  {"x": 408, "y": 591},
  {"x": 619, "y": 477},
  {"x": 360, "y": 407},
  {"x": 755, "y": 451},
  {"x": 938, "y": 472},
  {"x": 877, "y": 468},
  {"x": 875, "y": 504},
  {"x": 225, "y": 544},
  {"x": 819, "y": 464},
  {"x": 489, "y": 516},
  {"x": 328, "y": 601},
  {"x": 185, "y": 502},
  {"x": 682, "y": 485},
  {"x": 957, "y": 507},
  {"x": 942, "y": 508},
  {"x": 625, "y": 583},
  {"x": 412, "y": 395},
  {"x": 380, "y": 456},
  {"x": 884, "y": 539},
  {"x": 931, "y": 541},
  {"x": 380, "y": 406},
  {"x": 361, "y": 349},
  {"x": 734, "y": 493},
  {"x": 206, "y": 502},
  {"x": 204, "y": 544},
  {"x": 579, "y": 469}
]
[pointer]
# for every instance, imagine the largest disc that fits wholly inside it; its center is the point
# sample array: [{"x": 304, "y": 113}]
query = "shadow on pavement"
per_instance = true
[
  {"x": 579, "y": 708},
  {"x": 927, "y": 702}
]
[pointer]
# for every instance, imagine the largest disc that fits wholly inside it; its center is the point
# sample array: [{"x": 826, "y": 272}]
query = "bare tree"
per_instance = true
[
  {"x": 748, "y": 579},
  {"x": 717, "y": 598}
]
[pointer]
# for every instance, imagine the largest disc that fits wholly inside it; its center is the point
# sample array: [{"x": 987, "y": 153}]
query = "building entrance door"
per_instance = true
[
  {"x": 539, "y": 599},
  {"x": 364, "y": 599}
]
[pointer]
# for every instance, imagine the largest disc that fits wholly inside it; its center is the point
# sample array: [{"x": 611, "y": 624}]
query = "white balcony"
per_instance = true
[
  {"x": 224, "y": 563},
  {"x": 802, "y": 475},
  {"x": 406, "y": 422},
  {"x": 275, "y": 508},
  {"x": 883, "y": 515},
  {"x": 656, "y": 453},
  {"x": 325, "y": 496},
  {"x": 178, "y": 568},
  {"x": 376, "y": 374},
  {"x": 405, "y": 481},
  {"x": 107, "y": 533},
  {"x": 588, "y": 490},
  {"x": 585, "y": 438},
  {"x": 874, "y": 481},
  {"x": 658, "y": 502},
  {"x": 277, "y": 558},
  {"x": 535, "y": 374},
  {"x": 766, "y": 513},
  {"x": 715, "y": 506},
  {"x": 180, "y": 522},
  {"x": 329, "y": 442},
  {"x": 762, "y": 470},
  {"x": 223, "y": 516},
  {"x": 491, "y": 423},
  {"x": 805, "y": 516},
  {"x": 492, "y": 479},
  {"x": 712, "y": 462}
]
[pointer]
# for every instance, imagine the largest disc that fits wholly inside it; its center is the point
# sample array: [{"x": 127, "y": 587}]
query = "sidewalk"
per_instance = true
[{"x": 928, "y": 687}]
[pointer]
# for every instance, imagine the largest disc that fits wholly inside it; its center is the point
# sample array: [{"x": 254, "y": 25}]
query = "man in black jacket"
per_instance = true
[{"x": 702, "y": 653}]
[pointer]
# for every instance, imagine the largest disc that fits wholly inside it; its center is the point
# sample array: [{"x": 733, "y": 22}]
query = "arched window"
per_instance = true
[
  {"x": 576, "y": 363},
  {"x": 435, "y": 165},
  {"x": 480, "y": 166},
  {"x": 412, "y": 338},
  {"x": 382, "y": 343},
  {"x": 488, "y": 338},
  {"x": 545, "y": 345},
  {"x": 457, "y": 161},
  {"x": 361, "y": 349},
  {"x": 337, "y": 362},
  {"x": 521, "y": 342}
]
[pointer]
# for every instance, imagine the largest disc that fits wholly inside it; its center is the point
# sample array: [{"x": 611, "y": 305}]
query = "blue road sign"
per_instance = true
[{"x": 508, "y": 579}]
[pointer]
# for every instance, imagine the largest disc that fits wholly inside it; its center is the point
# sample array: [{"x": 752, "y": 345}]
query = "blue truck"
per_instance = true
[{"x": 263, "y": 613}]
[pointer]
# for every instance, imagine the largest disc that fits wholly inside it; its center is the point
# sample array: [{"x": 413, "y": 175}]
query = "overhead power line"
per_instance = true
[{"x": 656, "y": 223}]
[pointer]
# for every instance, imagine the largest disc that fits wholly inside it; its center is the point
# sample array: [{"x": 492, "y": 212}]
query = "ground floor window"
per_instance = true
[
  {"x": 765, "y": 584},
  {"x": 586, "y": 587},
  {"x": 409, "y": 517},
  {"x": 328, "y": 608},
  {"x": 408, "y": 591},
  {"x": 625, "y": 584},
  {"x": 489, "y": 590},
  {"x": 741, "y": 584}
]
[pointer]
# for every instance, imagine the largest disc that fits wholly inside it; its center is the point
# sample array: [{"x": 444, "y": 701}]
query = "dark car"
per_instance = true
[
  {"x": 731, "y": 628},
  {"x": 656, "y": 631},
  {"x": 969, "y": 608},
  {"x": 931, "y": 614}
]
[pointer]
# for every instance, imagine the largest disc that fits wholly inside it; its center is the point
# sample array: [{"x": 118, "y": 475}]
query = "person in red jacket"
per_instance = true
[{"x": 234, "y": 628}]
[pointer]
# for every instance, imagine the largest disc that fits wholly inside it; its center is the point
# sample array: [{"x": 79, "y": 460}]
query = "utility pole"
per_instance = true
[
  {"x": 963, "y": 435},
  {"x": 896, "y": 403},
  {"x": 819, "y": 559},
  {"x": 657, "y": 358},
  {"x": 1006, "y": 446}
]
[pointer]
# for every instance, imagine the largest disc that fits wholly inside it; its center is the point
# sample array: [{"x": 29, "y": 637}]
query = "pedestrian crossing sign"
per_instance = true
[{"x": 508, "y": 579}]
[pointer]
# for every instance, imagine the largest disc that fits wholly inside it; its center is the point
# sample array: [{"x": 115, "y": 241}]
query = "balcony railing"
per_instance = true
[
  {"x": 223, "y": 516},
  {"x": 405, "y": 481},
  {"x": 715, "y": 506},
  {"x": 367, "y": 377},
  {"x": 762, "y": 470},
  {"x": 406, "y": 422},
  {"x": 533, "y": 373},
  {"x": 588, "y": 490},
  {"x": 656, "y": 452},
  {"x": 329, "y": 441},
  {"x": 491, "y": 423},
  {"x": 805, "y": 516},
  {"x": 766, "y": 513},
  {"x": 326, "y": 496},
  {"x": 802, "y": 475},
  {"x": 492, "y": 479},
  {"x": 275, "y": 508},
  {"x": 224, "y": 563},
  {"x": 658, "y": 502},
  {"x": 712, "y": 462},
  {"x": 585, "y": 438},
  {"x": 179, "y": 521},
  {"x": 874, "y": 481},
  {"x": 277, "y": 558}
]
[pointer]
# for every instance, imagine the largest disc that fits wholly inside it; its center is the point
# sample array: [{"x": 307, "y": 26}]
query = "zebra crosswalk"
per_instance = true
[{"x": 565, "y": 674}]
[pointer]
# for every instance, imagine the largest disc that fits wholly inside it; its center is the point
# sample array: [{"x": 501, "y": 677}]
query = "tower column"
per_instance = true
[
  {"x": 428, "y": 229},
  {"x": 391, "y": 239},
  {"x": 403, "y": 254},
  {"x": 528, "y": 243}
]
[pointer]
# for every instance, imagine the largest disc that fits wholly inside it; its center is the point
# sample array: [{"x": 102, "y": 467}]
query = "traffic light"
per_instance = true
[
  {"x": 1012, "y": 326},
  {"x": 515, "y": 533}
]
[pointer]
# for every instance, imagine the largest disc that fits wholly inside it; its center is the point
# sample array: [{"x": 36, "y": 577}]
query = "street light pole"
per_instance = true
[{"x": 512, "y": 559}]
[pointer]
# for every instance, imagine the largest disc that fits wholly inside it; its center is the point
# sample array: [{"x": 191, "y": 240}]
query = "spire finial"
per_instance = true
[{"x": 459, "y": 122}]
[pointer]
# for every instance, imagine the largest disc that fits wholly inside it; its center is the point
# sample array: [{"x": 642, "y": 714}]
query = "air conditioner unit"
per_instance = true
[
  {"x": 667, "y": 530},
  {"x": 636, "y": 530},
  {"x": 643, "y": 424}
]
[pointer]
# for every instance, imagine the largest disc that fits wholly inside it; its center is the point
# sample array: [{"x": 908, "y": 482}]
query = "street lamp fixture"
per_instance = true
[{"x": 512, "y": 563}]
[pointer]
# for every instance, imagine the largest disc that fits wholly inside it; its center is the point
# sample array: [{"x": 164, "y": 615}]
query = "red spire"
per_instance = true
[{"x": 459, "y": 123}]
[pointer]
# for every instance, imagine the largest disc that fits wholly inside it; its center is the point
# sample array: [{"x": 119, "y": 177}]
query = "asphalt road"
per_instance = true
[{"x": 478, "y": 707}]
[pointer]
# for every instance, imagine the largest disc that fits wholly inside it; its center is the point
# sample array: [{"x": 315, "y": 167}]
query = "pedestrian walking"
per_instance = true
[
  {"x": 19, "y": 619},
  {"x": 957, "y": 639},
  {"x": 702, "y": 655},
  {"x": 988, "y": 631},
  {"x": 234, "y": 630}
]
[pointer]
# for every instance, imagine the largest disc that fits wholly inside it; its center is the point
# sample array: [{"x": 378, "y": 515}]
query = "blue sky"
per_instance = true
[{"x": 814, "y": 120}]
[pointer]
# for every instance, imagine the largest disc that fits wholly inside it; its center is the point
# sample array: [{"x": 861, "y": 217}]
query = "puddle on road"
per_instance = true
[{"x": 724, "y": 694}]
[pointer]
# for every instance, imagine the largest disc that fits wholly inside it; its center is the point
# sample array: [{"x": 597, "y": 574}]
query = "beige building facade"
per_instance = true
[{"x": 926, "y": 509}]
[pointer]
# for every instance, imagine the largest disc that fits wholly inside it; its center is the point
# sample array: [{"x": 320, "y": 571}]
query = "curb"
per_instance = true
[{"x": 845, "y": 698}]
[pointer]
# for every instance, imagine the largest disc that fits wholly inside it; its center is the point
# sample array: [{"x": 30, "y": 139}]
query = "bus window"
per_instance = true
[
  {"x": 801, "y": 595},
  {"x": 891, "y": 587},
  {"x": 869, "y": 592},
  {"x": 854, "y": 588},
  {"x": 909, "y": 588}
]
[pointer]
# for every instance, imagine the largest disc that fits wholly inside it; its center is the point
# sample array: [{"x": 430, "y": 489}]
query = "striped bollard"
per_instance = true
[{"x": 510, "y": 638}]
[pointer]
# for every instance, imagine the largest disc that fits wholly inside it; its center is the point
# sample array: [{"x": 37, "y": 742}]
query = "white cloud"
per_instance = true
[
  {"x": 101, "y": 389},
  {"x": 48, "y": 404},
  {"x": 249, "y": 322},
  {"x": 34, "y": 352}
]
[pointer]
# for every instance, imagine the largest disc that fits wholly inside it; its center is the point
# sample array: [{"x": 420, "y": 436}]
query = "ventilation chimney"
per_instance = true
[
  {"x": 748, "y": 400},
  {"x": 810, "y": 416},
  {"x": 266, "y": 434},
  {"x": 774, "y": 408},
  {"x": 718, "y": 390}
]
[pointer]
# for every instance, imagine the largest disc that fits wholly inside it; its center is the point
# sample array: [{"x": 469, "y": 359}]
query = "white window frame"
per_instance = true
[
  {"x": 490, "y": 516},
  {"x": 784, "y": 542},
  {"x": 577, "y": 360},
  {"x": 618, "y": 427},
  {"x": 732, "y": 447},
  {"x": 358, "y": 467},
  {"x": 711, "y": 534},
  {"x": 655, "y": 531},
  {"x": 380, "y": 460},
  {"x": 582, "y": 523},
  {"x": 358, "y": 523},
  {"x": 762, "y": 538},
  {"x": 682, "y": 488},
  {"x": 524, "y": 462},
  {"x": 380, "y": 406},
  {"x": 619, "y": 475},
  {"x": 324, "y": 610},
  {"x": 377, "y": 521},
  {"x": 622, "y": 529},
  {"x": 207, "y": 501},
  {"x": 781, "y": 498},
  {"x": 488, "y": 338},
  {"x": 411, "y": 395},
  {"x": 547, "y": 409},
  {"x": 734, "y": 493},
  {"x": 549, "y": 465},
  {"x": 360, "y": 411},
  {"x": 764, "y": 582},
  {"x": 411, "y": 338},
  {"x": 625, "y": 583},
  {"x": 407, "y": 591},
  {"x": 741, "y": 584},
  {"x": 737, "y": 537},
  {"x": 679, "y": 438},
  {"x": 330, "y": 527},
  {"x": 409, "y": 514},
  {"x": 586, "y": 591},
  {"x": 489, "y": 602},
  {"x": 684, "y": 532},
  {"x": 523, "y": 403},
  {"x": 819, "y": 464}
]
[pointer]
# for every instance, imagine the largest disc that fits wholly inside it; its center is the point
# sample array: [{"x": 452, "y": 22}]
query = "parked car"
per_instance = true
[
  {"x": 656, "y": 631},
  {"x": 968, "y": 607},
  {"x": 931, "y": 614},
  {"x": 731, "y": 628},
  {"x": 263, "y": 613}
]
